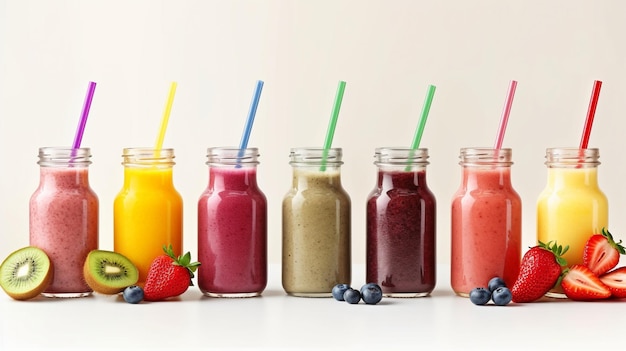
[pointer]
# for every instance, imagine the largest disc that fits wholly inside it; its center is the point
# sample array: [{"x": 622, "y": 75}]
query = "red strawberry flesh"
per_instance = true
[
  {"x": 616, "y": 281},
  {"x": 580, "y": 284}
]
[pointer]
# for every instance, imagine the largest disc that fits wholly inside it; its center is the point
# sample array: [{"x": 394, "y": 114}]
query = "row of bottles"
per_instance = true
[{"x": 316, "y": 216}]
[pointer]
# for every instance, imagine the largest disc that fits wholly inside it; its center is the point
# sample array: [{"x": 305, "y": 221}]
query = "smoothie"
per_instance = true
[
  {"x": 401, "y": 234},
  {"x": 571, "y": 209},
  {"x": 232, "y": 234},
  {"x": 316, "y": 233},
  {"x": 147, "y": 214},
  {"x": 63, "y": 222},
  {"x": 486, "y": 229}
]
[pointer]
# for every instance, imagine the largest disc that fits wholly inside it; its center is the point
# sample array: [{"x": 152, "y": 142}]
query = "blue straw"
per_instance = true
[{"x": 243, "y": 145}]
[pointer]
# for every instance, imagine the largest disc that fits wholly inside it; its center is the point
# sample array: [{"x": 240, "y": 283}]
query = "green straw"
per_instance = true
[
  {"x": 422, "y": 121},
  {"x": 333, "y": 123}
]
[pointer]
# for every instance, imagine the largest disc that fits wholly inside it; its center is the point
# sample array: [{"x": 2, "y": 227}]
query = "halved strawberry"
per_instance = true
[
  {"x": 601, "y": 252},
  {"x": 616, "y": 281},
  {"x": 579, "y": 283}
]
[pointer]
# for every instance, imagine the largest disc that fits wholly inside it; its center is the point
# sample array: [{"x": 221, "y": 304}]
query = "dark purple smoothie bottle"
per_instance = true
[{"x": 401, "y": 214}]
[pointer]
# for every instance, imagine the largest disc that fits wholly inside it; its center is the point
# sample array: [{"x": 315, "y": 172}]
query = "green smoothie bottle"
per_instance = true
[{"x": 316, "y": 225}]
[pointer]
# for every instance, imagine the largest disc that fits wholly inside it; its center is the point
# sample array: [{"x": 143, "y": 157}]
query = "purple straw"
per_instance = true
[{"x": 80, "y": 130}]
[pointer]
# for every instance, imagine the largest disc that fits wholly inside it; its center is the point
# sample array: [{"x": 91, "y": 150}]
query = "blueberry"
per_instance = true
[
  {"x": 367, "y": 286},
  {"x": 480, "y": 296},
  {"x": 338, "y": 291},
  {"x": 495, "y": 283},
  {"x": 352, "y": 296},
  {"x": 133, "y": 294},
  {"x": 371, "y": 293},
  {"x": 501, "y": 296}
]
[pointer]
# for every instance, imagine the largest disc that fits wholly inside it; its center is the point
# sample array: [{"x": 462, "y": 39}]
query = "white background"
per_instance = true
[{"x": 387, "y": 52}]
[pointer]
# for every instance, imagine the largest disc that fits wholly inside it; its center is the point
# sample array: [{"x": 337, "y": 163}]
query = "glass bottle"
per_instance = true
[
  {"x": 401, "y": 225},
  {"x": 148, "y": 211},
  {"x": 571, "y": 207},
  {"x": 63, "y": 217},
  {"x": 232, "y": 226},
  {"x": 316, "y": 225},
  {"x": 486, "y": 221}
]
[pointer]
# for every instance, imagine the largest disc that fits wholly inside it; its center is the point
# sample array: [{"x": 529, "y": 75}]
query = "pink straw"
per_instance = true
[
  {"x": 80, "y": 130},
  {"x": 505, "y": 115},
  {"x": 591, "y": 112}
]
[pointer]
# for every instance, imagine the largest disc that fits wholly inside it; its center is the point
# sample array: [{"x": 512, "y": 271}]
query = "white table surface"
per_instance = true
[{"x": 278, "y": 321}]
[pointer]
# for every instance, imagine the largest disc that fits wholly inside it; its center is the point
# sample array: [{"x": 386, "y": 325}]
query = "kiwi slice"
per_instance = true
[
  {"x": 109, "y": 272},
  {"x": 26, "y": 273}
]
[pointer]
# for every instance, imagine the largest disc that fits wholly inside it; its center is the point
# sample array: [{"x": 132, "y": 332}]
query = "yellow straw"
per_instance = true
[{"x": 166, "y": 117}]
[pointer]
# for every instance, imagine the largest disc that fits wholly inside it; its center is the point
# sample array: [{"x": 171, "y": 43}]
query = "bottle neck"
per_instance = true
[
  {"x": 64, "y": 177},
  {"x": 232, "y": 178},
  {"x": 400, "y": 178},
  {"x": 573, "y": 177},
  {"x": 494, "y": 177},
  {"x": 312, "y": 177},
  {"x": 148, "y": 177}
]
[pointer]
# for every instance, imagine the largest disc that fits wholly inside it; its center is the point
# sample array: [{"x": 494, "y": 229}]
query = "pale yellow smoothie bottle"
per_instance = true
[
  {"x": 147, "y": 212},
  {"x": 316, "y": 225},
  {"x": 572, "y": 207}
]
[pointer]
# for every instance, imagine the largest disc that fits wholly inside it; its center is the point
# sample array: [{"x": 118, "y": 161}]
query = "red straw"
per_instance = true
[
  {"x": 593, "y": 103},
  {"x": 505, "y": 115}
]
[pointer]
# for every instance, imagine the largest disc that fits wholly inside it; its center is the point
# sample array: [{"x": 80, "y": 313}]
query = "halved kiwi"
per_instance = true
[
  {"x": 26, "y": 273},
  {"x": 109, "y": 272}
]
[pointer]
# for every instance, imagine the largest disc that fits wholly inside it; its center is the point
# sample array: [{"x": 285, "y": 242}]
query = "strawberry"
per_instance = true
[
  {"x": 579, "y": 283},
  {"x": 601, "y": 252},
  {"x": 616, "y": 281},
  {"x": 540, "y": 270},
  {"x": 169, "y": 275}
]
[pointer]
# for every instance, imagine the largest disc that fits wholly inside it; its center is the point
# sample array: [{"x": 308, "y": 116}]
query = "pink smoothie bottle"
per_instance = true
[
  {"x": 63, "y": 217},
  {"x": 232, "y": 226},
  {"x": 400, "y": 216},
  {"x": 486, "y": 221}
]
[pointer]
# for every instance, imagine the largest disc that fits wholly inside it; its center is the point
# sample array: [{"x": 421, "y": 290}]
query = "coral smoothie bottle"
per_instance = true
[
  {"x": 486, "y": 221},
  {"x": 63, "y": 217},
  {"x": 148, "y": 211},
  {"x": 316, "y": 223},
  {"x": 232, "y": 226},
  {"x": 571, "y": 207},
  {"x": 401, "y": 213}
]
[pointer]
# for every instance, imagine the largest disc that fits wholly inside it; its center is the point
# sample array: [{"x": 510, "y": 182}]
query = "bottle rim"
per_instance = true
[
  {"x": 232, "y": 156},
  {"x": 572, "y": 157},
  {"x": 401, "y": 156},
  {"x": 63, "y": 156},
  {"x": 148, "y": 157},
  {"x": 485, "y": 156},
  {"x": 314, "y": 156}
]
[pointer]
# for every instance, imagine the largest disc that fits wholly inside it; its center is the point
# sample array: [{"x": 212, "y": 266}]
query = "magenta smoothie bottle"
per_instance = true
[
  {"x": 232, "y": 226},
  {"x": 401, "y": 213},
  {"x": 486, "y": 221},
  {"x": 63, "y": 217}
]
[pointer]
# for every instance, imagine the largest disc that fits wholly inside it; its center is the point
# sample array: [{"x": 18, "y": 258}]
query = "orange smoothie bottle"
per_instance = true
[
  {"x": 148, "y": 211},
  {"x": 571, "y": 207}
]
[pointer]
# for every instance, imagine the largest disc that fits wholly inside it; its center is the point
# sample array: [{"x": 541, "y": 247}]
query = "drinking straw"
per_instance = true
[
  {"x": 419, "y": 130},
  {"x": 166, "y": 117},
  {"x": 506, "y": 111},
  {"x": 330, "y": 132},
  {"x": 591, "y": 111},
  {"x": 424, "y": 115},
  {"x": 80, "y": 129},
  {"x": 250, "y": 120}
]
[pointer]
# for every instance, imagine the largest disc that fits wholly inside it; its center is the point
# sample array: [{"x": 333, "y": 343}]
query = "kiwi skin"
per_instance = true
[
  {"x": 40, "y": 283},
  {"x": 100, "y": 284}
]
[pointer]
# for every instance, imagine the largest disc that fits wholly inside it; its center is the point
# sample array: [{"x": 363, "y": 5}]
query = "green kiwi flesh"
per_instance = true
[
  {"x": 26, "y": 273},
  {"x": 109, "y": 272}
]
